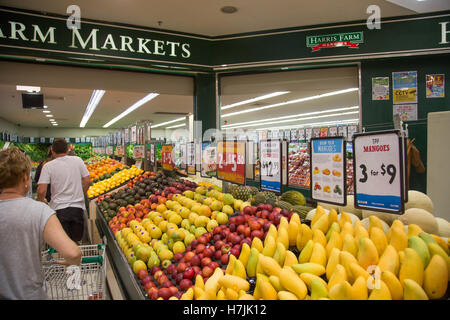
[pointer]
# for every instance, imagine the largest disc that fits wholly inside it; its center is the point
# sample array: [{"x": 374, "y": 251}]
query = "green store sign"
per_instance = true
[{"x": 348, "y": 39}]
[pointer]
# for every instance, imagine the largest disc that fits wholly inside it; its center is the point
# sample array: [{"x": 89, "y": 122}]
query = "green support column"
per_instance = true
[{"x": 205, "y": 101}]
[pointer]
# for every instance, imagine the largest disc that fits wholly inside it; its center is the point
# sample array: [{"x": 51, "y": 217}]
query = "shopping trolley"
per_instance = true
[{"x": 69, "y": 283}]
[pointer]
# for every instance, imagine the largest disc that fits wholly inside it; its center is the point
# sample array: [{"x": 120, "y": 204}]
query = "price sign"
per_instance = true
[
  {"x": 152, "y": 153},
  {"x": 109, "y": 150},
  {"x": 133, "y": 134},
  {"x": 183, "y": 157},
  {"x": 209, "y": 165},
  {"x": 378, "y": 171},
  {"x": 166, "y": 154},
  {"x": 294, "y": 135},
  {"x": 139, "y": 152},
  {"x": 190, "y": 150},
  {"x": 342, "y": 131},
  {"x": 308, "y": 134},
  {"x": 270, "y": 158},
  {"x": 231, "y": 161},
  {"x": 119, "y": 151},
  {"x": 328, "y": 174}
]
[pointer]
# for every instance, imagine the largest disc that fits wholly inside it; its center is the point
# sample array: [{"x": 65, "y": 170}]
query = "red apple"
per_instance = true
[
  {"x": 146, "y": 280},
  {"x": 236, "y": 252},
  {"x": 240, "y": 220},
  {"x": 268, "y": 207},
  {"x": 219, "y": 244},
  {"x": 162, "y": 279},
  {"x": 178, "y": 294},
  {"x": 236, "y": 239},
  {"x": 197, "y": 269},
  {"x": 260, "y": 207},
  {"x": 247, "y": 232},
  {"x": 158, "y": 274},
  {"x": 217, "y": 230},
  {"x": 233, "y": 227},
  {"x": 164, "y": 293},
  {"x": 194, "y": 243},
  {"x": 218, "y": 255},
  {"x": 257, "y": 234},
  {"x": 142, "y": 274},
  {"x": 188, "y": 273},
  {"x": 284, "y": 212},
  {"x": 207, "y": 271},
  {"x": 185, "y": 284},
  {"x": 277, "y": 218},
  {"x": 206, "y": 261},
  {"x": 225, "y": 249},
  {"x": 217, "y": 237},
  {"x": 170, "y": 269},
  {"x": 254, "y": 225},
  {"x": 266, "y": 226}
]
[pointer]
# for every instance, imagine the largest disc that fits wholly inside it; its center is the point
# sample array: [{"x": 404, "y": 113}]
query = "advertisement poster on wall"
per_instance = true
[
  {"x": 407, "y": 112},
  {"x": 404, "y": 87},
  {"x": 380, "y": 88},
  {"x": 435, "y": 85},
  {"x": 209, "y": 158}
]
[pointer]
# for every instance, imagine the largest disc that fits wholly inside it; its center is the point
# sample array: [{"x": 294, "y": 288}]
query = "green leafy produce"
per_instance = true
[
  {"x": 130, "y": 148},
  {"x": 83, "y": 150},
  {"x": 36, "y": 152}
]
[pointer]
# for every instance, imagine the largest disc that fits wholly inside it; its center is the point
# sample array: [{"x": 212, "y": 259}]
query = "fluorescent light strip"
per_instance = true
[
  {"x": 177, "y": 126},
  {"x": 49, "y": 115},
  {"x": 92, "y": 105},
  {"x": 28, "y": 88},
  {"x": 297, "y": 119},
  {"x": 168, "y": 122},
  {"x": 326, "y": 123},
  {"x": 292, "y": 116},
  {"x": 266, "y": 96},
  {"x": 144, "y": 100},
  {"x": 328, "y": 94},
  {"x": 46, "y": 111}
]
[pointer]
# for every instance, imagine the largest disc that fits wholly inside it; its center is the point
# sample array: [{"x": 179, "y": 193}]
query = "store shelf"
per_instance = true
[{"x": 119, "y": 264}]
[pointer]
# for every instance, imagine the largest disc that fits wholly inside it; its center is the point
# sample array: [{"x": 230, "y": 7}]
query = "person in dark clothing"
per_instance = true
[{"x": 49, "y": 158}]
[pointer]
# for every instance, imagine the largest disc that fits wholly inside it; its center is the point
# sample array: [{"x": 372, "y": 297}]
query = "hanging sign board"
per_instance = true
[
  {"x": 378, "y": 171},
  {"x": 231, "y": 161},
  {"x": 109, "y": 150},
  {"x": 152, "y": 154},
  {"x": 190, "y": 152},
  {"x": 183, "y": 158},
  {"x": 332, "y": 131},
  {"x": 308, "y": 134},
  {"x": 198, "y": 156},
  {"x": 284, "y": 162},
  {"x": 208, "y": 165},
  {"x": 166, "y": 154},
  {"x": 139, "y": 152},
  {"x": 270, "y": 157},
  {"x": 251, "y": 160},
  {"x": 120, "y": 151},
  {"x": 294, "y": 135},
  {"x": 342, "y": 131},
  {"x": 328, "y": 176},
  {"x": 133, "y": 134}
]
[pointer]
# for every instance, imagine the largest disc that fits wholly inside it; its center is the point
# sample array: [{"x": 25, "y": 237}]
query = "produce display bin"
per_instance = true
[{"x": 125, "y": 276}]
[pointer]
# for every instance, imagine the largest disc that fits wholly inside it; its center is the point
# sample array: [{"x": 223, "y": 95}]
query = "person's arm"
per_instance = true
[
  {"x": 86, "y": 183},
  {"x": 42, "y": 192},
  {"x": 56, "y": 237}
]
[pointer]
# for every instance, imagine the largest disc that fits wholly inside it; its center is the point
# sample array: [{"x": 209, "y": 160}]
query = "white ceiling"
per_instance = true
[{"x": 205, "y": 18}]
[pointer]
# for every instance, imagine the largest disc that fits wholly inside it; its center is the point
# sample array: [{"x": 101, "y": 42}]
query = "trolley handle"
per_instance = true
[{"x": 84, "y": 260}]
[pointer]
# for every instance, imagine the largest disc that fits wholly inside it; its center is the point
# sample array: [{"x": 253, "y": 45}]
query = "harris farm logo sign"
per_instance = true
[{"x": 348, "y": 39}]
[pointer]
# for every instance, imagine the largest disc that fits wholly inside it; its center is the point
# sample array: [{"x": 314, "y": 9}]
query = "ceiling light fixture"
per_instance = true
[
  {"x": 168, "y": 122},
  {"x": 92, "y": 105},
  {"x": 315, "y": 124},
  {"x": 177, "y": 126},
  {"x": 293, "y": 116},
  {"x": 144, "y": 100},
  {"x": 28, "y": 88},
  {"x": 45, "y": 107},
  {"x": 228, "y": 9},
  {"x": 266, "y": 96},
  {"x": 55, "y": 124},
  {"x": 296, "y": 119},
  {"x": 49, "y": 115},
  {"x": 332, "y": 93},
  {"x": 46, "y": 111}
]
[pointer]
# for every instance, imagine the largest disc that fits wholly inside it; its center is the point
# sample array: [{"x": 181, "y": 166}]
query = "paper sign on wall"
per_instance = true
[
  {"x": 404, "y": 87},
  {"x": 380, "y": 88},
  {"x": 435, "y": 85},
  {"x": 407, "y": 112}
]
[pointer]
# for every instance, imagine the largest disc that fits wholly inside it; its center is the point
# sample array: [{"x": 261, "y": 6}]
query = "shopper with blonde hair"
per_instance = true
[{"x": 25, "y": 225}]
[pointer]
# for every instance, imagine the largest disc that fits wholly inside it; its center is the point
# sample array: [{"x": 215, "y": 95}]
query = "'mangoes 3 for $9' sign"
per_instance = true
[{"x": 231, "y": 161}]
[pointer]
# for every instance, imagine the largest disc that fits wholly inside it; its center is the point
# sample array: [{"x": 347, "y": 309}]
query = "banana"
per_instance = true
[
  {"x": 275, "y": 282},
  {"x": 416, "y": 243},
  {"x": 318, "y": 236},
  {"x": 394, "y": 285},
  {"x": 286, "y": 295},
  {"x": 252, "y": 262},
  {"x": 333, "y": 217},
  {"x": 319, "y": 255},
  {"x": 359, "y": 289},
  {"x": 334, "y": 227},
  {"x": 414, "y": 230},
  {"x": 341, "y": 291},
  {"x": 269, "y": 246},
  {"x": 245, "y": 254},
  {"x": 257, "y": 244},
  {"x": 259, "y": 268},
  {"x": 303, "y": 236},
  {"x": 367, "y": 253},
  {"x": 305, "y": 254},
  {"x": 322, "y": 224},
  {"x": 267, "y": 291},
  {"x": 435, "y": 279},
  {"x": 238, "y": 270},
  {"x": 293, "y": 231},
  {"x": 318, "y": 290},
  {"x": 293, "y": 283},
  {"x": 413, "y": 291},
  {"x": 270, "y": 266},
  {"x": 309, "y": 267},
  {"x": 290, "y": 259},
  {"x": 347, "y": 228},
  {"x": 379, "y": 239},
  {"x": 399, "y": 239},
  {"x": 389, "y": 260},
  {"x": 198, "y": 292},
  {"x": 344, "y": 218},
  {"x": 334, "y": 241},
  {"x": 349, "y": 245},
  {"x": 411, "y": 267},
  {"x": 339, "y": 276},
  {"x": 381, "y": 293},
  {"x": 436, "y": 249},
  {"x": 333, "y": 261},
  {"x": 283, "y": 237},
  {"x": 231, "y": 260},
  {"x": 280, "y": 254},
  {"x": 309, "y": 277},
  {"x": 319, "y": 213}
]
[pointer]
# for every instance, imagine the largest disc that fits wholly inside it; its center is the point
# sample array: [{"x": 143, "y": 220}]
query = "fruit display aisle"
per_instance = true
[{"x": 192, "y": 242}]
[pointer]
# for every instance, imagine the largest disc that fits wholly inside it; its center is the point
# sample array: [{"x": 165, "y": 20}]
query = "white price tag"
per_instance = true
[{"x": 378, "y": 172}]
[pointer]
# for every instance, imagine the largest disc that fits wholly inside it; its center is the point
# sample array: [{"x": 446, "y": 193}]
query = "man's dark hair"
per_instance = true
[{"x": 59, "y": 145}]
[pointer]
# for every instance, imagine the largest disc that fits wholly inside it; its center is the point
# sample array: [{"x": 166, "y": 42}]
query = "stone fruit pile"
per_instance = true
[{"x": 103, "y": 169}]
